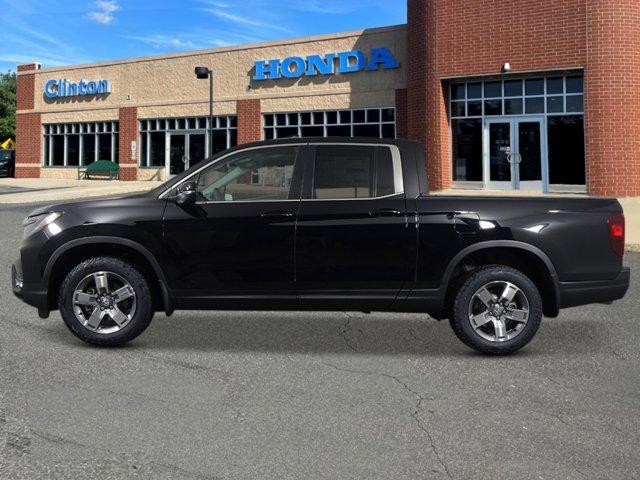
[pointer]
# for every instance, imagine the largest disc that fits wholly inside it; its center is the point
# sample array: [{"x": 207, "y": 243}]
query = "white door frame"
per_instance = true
[
  {"x": 486, "y": 158},
  {"x": 515, "y": 183},
  {"x": 186, "y": 134},
  {"x": 533, "y": 185}
]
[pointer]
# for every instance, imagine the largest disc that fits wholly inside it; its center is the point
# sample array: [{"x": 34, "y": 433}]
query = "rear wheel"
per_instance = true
[
  {"x": 105, "y": 301},
  {"x": 496, "y": 310}
]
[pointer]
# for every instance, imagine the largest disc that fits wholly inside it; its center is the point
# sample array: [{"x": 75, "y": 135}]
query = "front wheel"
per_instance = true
[
  {"x": 105, "y": 301},
  {"x": 496, "y": 310}
]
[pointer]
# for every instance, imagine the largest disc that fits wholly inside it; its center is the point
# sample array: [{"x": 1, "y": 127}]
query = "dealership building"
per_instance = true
[{"x": 504, "y": 95}]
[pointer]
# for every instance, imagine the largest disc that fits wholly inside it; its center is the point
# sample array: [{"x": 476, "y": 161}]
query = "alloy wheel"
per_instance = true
[
  {"x": 498, "y": 311},
  {"x": 104, "y": 302}
]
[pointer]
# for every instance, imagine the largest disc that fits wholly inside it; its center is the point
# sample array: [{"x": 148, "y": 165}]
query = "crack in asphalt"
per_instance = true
[
  {"x": 346, "y": 328},
  {"x": 417, "y": 409}
]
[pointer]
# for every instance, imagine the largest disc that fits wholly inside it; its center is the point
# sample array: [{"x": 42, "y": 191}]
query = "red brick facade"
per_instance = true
[
  {"x": 401, "y": 113},
  {"x": 612, "y": 97},
  {"x": 449, "y": 39},
  {"x": 454, "y": 38},
  {"x": 128, "y": 125},
  {"x": 249, "y": 120}
]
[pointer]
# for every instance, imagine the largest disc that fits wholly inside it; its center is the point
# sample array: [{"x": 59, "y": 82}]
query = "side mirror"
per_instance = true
[{"x": 187, "y": 194}]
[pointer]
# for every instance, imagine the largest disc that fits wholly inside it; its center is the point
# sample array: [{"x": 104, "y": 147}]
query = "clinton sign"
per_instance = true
[
  {"x": 328, "y": 64},
  {"x": 65, "y": 88}
]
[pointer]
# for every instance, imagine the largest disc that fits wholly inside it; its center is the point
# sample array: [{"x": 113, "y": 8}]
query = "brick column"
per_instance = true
[
  {"x": 28, "y": 125},
  {"x": 401, "y": 113},
  {"x": 612, "y": 98},
  {"x": 427, "y": 120},
  {"x": 128, "y": 132},
  {"x": 249, "y": 120}
]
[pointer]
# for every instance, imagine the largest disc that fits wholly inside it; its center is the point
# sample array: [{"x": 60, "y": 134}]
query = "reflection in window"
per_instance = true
[
  {"x": 81, "y": 140},
  {"x": 366, "y": 122},
  {"x": 255, "y": 175},
  {"x": 467, "y": 149},
  {"x": 353, "y": 172},
  {"x": 566, "y": 150},
  {"x": 153, "y": 134}
]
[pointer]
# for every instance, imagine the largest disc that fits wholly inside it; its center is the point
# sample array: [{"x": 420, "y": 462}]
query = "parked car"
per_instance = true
[
  {"x": 7, "y": 163},
  {"x": 321, "y": 224}
]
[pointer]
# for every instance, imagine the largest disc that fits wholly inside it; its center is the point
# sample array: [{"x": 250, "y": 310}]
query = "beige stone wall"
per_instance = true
[
  {"x": 166, "y": 86},
  {"x": 631, "y": 207},
  {"x": 59, "y": 172},
  {"x": 102, "y": 115},
  {"x": 146, "y": 174}
]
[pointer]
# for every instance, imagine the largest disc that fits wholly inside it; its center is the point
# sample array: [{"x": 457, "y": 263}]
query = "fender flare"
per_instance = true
[
  {"x": 446, "y": 278},
  {"x": 166, "y": 295}
]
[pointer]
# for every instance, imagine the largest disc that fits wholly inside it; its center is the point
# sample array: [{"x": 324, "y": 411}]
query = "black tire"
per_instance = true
[
  {"x": 461, "y": 323},
  {"x": 139, "y": 320}
]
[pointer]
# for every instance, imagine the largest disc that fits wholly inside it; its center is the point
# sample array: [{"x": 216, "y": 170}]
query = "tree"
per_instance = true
[{"x": 7, "y": 106}]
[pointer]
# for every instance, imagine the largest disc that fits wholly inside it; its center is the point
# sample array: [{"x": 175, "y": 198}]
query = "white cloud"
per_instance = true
[
  {"x": 245, "y": 21},
  {"x": 104, "y": 10},
  {"x": 163, "y": 41}
]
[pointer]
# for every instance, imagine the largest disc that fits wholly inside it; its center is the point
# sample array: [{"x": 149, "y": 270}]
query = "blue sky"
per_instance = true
[{"x": 66, "y": 33}]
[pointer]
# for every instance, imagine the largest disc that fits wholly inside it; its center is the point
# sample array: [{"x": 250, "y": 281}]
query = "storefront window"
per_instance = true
[
  {"x": 559, "y": 100},
  {"x": 369, "y": 122},
  {"x": 154, "y": 132},
  {"x": 467, "y": 149},
  {"x": 566, "y": 150},
  {"x": 73, "y": 144}
]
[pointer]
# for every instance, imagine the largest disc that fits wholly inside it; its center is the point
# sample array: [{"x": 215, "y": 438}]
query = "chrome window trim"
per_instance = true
[
  {"x": 248, "y": 149},
  {"x": 398, "y": 181}
]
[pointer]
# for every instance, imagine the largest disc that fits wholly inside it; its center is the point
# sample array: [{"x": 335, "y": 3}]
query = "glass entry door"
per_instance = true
[
  {"x": 184, "y": 151},
  {"x": 514, "y": 154}
]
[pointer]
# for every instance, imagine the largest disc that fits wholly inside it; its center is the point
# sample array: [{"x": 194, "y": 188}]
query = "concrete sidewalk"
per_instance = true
[{"x": 38, "y": 190}]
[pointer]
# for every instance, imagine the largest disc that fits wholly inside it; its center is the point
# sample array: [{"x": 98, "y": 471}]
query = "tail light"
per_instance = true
[{"x": 616, "y": 233}]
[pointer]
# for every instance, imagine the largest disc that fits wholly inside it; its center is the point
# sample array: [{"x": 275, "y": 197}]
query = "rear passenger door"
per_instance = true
[{"x": 352, "y": 236}]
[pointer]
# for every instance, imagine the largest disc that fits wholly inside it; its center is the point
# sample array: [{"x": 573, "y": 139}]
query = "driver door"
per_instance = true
[{"x": 235, "y": 247}]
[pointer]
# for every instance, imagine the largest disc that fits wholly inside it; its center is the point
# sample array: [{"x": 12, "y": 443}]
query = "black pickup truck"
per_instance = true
[{"x": 321, "y": 224}]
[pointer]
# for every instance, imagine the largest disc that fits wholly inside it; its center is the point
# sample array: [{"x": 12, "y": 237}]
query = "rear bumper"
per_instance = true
[
  {"x": 32, "y": 294},
  {"x": 573, "y": 294}
]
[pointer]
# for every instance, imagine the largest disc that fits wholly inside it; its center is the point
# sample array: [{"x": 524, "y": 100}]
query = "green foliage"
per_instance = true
[{"x": 7, "y": 106}]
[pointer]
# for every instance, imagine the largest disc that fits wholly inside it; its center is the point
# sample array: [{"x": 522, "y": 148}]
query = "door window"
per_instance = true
[
  {"x": 348, "y": 172},
  {"x": 232, "y": 179}
]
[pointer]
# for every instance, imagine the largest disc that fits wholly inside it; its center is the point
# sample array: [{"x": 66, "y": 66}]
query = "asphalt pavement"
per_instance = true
[{"x": 244, "y": 395}]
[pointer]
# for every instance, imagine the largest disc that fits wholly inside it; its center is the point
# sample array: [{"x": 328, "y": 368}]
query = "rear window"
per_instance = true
[{"x": 349, "y": 171}]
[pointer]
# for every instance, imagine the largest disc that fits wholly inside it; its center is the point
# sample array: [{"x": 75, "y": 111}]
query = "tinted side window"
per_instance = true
[
  {"x": 349, "y": 171},
  {"x": 254, "y": 175}
]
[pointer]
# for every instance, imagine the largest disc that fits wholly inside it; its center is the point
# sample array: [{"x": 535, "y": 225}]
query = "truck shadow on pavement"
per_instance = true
[{"x": 341, "y": 333}]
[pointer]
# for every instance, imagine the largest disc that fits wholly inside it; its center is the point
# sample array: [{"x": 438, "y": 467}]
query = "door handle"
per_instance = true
[
  {"x": 276, "y": 214},
  {"x": 385, "y": 212}
]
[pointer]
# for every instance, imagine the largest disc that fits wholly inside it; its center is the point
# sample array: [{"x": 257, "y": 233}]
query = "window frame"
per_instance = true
[
  {"x": 270, "y": 123},
  {"x": 294, "y": 189},
  {"x": 310, "y": 159},
  {"x": 166, "y": 125},
  {"x": 81, "y": 129}
]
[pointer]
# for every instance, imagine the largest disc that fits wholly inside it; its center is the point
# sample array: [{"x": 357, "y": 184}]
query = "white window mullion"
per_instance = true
[{"x": 65, "y": 141}]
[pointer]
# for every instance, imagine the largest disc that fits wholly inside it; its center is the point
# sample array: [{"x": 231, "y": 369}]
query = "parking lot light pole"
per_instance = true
[{"x": 203, "y": 73}]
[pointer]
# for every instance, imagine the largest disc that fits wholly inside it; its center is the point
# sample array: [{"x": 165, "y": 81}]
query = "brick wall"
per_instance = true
[
  {"x": 128, "y": 132},
  {"x": 28, "y": 126},
  {"x": 401, "y": 113},
  {"x": 474, "y": 37},
  {"x": 249, "y": 120},
  {"x": 612, "y": 93}
]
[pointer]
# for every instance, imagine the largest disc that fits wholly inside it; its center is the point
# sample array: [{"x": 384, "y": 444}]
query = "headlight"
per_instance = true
[{"x": 40, "y": 222}]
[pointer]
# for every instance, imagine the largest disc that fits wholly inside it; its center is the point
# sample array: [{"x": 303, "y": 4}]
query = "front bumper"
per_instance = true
[
  {"x": 573, "y": 294},
  {"x": 34, "y": 295}
]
